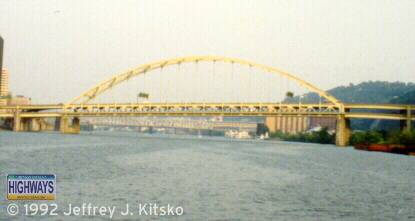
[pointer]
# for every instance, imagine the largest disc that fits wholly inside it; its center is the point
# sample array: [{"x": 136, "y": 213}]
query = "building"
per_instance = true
[
  {"x": 4, "y": 87},
  {"x": 4, "y": 78},
  {"x": 5, "y": 96},
  {"x": 296, "y": 124},
  {"x": 1, "y": 53},
  {"x": 19, "y": 100},
  {"x": 329, "y": 122},
  {"x": 287, "y": 124}
]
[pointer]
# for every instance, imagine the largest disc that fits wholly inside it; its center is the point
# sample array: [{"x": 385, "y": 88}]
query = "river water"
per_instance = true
[{"x": 210, "y": 178}]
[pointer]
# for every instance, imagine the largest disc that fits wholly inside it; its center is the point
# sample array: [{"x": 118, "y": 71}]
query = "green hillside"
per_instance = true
[
  {"x": 365, "y": 92},
  {"x": 408, "y": 98},
  {"x": 368, "y": 92}
]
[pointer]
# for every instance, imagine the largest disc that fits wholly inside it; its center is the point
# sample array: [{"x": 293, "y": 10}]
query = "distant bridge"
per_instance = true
[
  {"x": 172, "y": 123},
  {"x": 25, "y": 117}
]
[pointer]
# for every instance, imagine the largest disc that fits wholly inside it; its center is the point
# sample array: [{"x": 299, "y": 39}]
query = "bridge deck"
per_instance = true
[
  {"x": 210, "y": 109},
  {"x": 346, "y": 105}
]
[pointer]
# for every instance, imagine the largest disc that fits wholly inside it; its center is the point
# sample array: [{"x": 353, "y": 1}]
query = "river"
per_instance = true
[{"x": 210, "y": 178}]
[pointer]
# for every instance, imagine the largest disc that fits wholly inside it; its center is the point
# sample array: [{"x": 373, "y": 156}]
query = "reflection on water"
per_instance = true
[{"x": 214, "y": 178}]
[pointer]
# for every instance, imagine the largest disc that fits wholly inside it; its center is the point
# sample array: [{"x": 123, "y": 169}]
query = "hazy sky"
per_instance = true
[{"x": 55, "y": 49}]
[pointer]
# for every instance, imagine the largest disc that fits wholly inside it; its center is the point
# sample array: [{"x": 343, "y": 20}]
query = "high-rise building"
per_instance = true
[
  {"x": 1, "y": 53},
  {"x": 4, "y": 87}
]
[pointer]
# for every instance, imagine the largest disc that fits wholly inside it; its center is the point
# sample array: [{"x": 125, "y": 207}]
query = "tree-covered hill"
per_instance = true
[
  {"x": 366, "y": 92},
  {"x": 408, "y": 98}
]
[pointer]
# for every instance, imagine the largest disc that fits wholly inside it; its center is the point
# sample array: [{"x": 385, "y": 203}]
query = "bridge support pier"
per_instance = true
[
  {"x": 17, "y": 122},
  {"x": 407, "y": 123},
  {"x": 35, "y": 124},
  {"x": 66, "y": 128},
  {"x": 21, "y": 124},
  {"x": 29, "y": 124},
  {"x": 342, "y": 130},
  {"x": 38, "y": 124}
]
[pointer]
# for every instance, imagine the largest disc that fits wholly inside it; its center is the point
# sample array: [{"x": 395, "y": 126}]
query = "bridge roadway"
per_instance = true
[{"x": 401, "y": 112}]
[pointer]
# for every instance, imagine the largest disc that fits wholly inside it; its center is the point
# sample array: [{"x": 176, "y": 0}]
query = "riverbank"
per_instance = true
[
  {"x": 399, "y": 142},
  {"x": 322, "y": 137}
]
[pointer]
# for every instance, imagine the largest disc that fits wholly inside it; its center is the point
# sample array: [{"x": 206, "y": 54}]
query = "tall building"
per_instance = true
[
  {"x": 4, "y": 87},
  {"x": 1, "y": 53}
]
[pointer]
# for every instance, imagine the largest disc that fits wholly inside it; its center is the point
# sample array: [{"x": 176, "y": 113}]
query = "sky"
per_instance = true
[{"x": 56, "y": 49}]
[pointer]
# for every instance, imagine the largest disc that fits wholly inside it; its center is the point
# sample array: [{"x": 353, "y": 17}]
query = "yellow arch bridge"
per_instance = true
[{"x": 29, "y": 117}]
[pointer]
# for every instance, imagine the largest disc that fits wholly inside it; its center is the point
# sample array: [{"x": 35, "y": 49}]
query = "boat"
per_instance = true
[
  {"x": 361, "y": 146},
  {"x": 399, "y": 148},
  {"x": 238, "y": 135},
  {"x": 387, "y": 148},
  {"x": 380, "y": 148}
]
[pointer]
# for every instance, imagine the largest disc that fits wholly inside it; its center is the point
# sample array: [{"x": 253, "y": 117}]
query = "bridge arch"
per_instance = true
[{"x": 100, "y": 88}]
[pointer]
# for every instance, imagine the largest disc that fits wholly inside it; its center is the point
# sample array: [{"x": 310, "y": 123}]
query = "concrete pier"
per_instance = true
[
  {"x": 343, "y": 131},
  {"x": 407, "y": 123},
  {"x": 69, "y": 126}
]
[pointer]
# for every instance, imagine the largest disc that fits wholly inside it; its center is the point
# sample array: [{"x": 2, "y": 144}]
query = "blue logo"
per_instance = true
[{"x": 31, "y": 187}]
